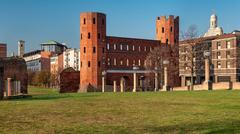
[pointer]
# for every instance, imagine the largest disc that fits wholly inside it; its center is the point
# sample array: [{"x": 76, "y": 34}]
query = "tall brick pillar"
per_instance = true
[
  {"x": 167, "y": 32},
  {"x": 92, "y": 46}
]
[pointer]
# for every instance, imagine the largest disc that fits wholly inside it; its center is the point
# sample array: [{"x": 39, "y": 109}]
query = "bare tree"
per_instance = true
[
  {"x": 155, "y": 58},
  {"x": 191, "y": 52}
]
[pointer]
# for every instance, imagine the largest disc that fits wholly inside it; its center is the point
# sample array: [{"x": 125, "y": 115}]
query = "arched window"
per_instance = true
[
  {"x": 93, "y": 20},
  {"x": 94, "y": 49},
  {"x": 89, "y": 35}
]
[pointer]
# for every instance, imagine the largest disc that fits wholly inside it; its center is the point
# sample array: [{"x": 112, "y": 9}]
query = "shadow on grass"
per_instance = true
[
  {"x": 56, "y": 96},
  {"x": 214, "y": 127}
]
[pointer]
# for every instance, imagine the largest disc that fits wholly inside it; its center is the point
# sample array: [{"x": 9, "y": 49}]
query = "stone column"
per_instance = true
[
  {"x": 165, "y": 79},
  {"x": 122, "y": 85},
  {"x": 134, "y": 82},
  {"x": 183, "y": 81},
  {"x": 103, "y": 84},
  {"x": 207, "y": 70},
  {"x": 156, "y": 82},
  {"x": 9, "y": 86},
  {"x": 114, "y": 86}
]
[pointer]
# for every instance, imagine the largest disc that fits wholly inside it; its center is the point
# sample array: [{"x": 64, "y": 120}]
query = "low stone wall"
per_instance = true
[
  {"x": 213, "y": 86},
  {"x": 69, "y": 81}
]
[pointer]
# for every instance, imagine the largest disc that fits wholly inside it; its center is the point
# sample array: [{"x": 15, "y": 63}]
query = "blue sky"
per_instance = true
[{"x": 37, "y": 21}]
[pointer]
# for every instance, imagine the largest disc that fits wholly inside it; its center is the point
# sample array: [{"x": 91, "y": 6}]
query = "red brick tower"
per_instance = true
[
  {"x": 92, "y": 47},
  {"x": 167, "y": 29}
]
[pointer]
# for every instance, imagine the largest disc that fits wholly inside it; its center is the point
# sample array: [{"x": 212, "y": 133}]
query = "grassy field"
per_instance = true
[{"x": 162, "y": 112}]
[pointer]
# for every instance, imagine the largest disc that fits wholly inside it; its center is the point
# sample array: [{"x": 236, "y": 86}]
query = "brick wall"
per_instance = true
[
  {"x": 16, "y": 69},
  {"x": 69, "y": 80}
]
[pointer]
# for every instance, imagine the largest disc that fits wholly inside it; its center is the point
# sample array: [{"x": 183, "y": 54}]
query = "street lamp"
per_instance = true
[
  {"x": 135, "y": 68},
  {"x": 165, "y": 63},
  {"x": 103, "y": 80}
]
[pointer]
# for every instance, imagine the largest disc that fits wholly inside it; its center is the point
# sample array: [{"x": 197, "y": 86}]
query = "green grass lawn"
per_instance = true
[{"x": 161, "y": 112}]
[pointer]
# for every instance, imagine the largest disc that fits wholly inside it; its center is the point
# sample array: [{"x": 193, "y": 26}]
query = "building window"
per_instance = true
[
  {"x": 218, "y": 55},
  {"x": 89, "y": 35},
  {"x": 139, "y": 48},
  {"x": 93, "y": 20},
  {"x": 81, "y": 36},
  {"x": 114, "y": 62},
  {"x": 114, "y": 47},
  {"x": 109, "y": 61},
  {"x": 99, "y": 64},
  {"x": 94, "y": 49},
  {"x": 103, "y": 22},
  {"x": 84, "y": 50},
  {"x": 121, "y": 62},
  {"x": 145, "y": 48},
  {"x": 133, "y": 48},
  {"x": 127, "y": 47},
  {"x": 121, "y": 47},
  {"x": 133, "y": 62},
  {"x": 139, "y": 62},
  {"x": 228, "y": 54},
  {"x": 81, "y": 64},
  {"x": 228, "y": 64},
  {"x": 108, "y": 47},
  {"x": 228, "y": 44},
  {"x": 127, "y": 62},
  {"x": 219, "y": 64},
  {"x": 89, "y": 64},
  {"x": 84, "y": 21},
  {"x": 99, "y": 36},
  {"x": 166, "y": 41},
  {"x": 171, "y": 29},
  {"x": 162, "y": 29},
  {"x": 103, "y": 50},
  {"x": 218, "y": 45}
]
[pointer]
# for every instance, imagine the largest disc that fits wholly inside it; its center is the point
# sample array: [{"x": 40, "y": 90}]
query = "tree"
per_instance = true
[
  {"x": 191, "y": 52},
  {"x": 155, "y": 59}
]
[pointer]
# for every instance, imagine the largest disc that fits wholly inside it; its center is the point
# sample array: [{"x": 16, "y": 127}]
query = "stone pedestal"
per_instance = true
[{"x": 114, "y": 86}]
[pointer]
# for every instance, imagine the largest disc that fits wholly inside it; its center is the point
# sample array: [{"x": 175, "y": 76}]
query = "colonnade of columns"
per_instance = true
[{"x": 135, "y": 82}]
